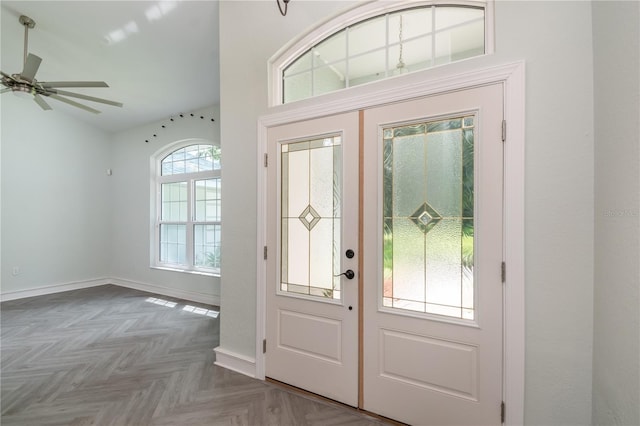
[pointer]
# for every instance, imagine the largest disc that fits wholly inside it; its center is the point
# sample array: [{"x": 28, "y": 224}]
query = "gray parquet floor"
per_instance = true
[{"x": 114, "y": 356}]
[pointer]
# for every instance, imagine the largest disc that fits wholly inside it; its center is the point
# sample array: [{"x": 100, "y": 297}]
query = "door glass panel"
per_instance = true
[
  {"x": 311, "y": 187},
  {"x": 428, "y": 209}
]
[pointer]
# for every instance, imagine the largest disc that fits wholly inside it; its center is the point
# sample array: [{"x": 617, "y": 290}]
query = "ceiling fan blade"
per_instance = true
[
  {"x": 88, "y": 98},
  {"x": 31, "y": 67},
  {"x": 40, "y": 101},
  {"x": 5, "y": 90},
  {"x": 74, "y": 103},
  {"x": 51, "y": 84},
  {"x": 5, "y": 75}
]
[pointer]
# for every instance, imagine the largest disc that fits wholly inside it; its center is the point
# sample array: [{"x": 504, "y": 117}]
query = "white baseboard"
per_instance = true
[
  {"x": 77, "y": 285},
  {"x": 193, "y": 296},
  {"x": 232, "y": 361},
  {"x": 54, "y": 288}
]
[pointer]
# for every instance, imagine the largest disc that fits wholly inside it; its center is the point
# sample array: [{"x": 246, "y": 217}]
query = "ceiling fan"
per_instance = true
[{"x": 25, "y": 81}]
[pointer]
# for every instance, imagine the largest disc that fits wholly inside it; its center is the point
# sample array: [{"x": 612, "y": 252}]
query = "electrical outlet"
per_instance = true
[{"x": 15, "y": 271}]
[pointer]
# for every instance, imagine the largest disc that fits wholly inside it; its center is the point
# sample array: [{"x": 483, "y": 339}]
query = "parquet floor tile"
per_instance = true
[{"x": 114, "y": 356}]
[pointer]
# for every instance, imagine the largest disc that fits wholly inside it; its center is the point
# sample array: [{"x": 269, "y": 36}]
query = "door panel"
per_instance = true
[
  {"x": 312, "y": 310},
  {"x": 432, "y": 259}
]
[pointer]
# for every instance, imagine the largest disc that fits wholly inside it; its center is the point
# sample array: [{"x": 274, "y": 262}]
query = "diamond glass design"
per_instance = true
[
  {"x": 425, "y": 217},
  {"x": 309, "y": 217}
]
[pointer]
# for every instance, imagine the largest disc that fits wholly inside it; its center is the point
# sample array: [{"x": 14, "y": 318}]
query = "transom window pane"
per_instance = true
[
  {"x": 191, "y": 159},
  {"x": 384, "y": 46},
  {"x": 428, "y": 208}
]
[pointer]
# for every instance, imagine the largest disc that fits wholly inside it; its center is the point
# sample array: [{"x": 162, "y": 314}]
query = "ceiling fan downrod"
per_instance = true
[{"x": 28, "y": 23}]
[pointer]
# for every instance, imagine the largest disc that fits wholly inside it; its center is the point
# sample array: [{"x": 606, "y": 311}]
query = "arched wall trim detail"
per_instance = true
[{"x": 330, "y": 57}]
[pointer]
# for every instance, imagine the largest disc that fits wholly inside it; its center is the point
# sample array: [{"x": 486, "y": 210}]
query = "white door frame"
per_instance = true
[{"x": 402, "y": 88}]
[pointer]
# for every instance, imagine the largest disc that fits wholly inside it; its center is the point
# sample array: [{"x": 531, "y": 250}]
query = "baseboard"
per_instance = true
[
  {"x": 193, "y": 296},
  {"x": 51, "y": 289},
  {"x": 232, "y": 361}
]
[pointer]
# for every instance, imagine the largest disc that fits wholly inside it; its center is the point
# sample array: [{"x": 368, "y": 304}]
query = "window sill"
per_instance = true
[{"x": 186, "y": 271}]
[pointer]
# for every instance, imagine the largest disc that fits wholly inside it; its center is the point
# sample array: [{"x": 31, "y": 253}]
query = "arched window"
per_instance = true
[
  {"x": 380, "y": 42},
  {"x": 187, "y": 208}
]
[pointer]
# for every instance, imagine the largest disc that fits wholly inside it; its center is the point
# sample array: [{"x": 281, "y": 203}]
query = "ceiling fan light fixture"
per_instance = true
[{"x": 22, "y": 90}]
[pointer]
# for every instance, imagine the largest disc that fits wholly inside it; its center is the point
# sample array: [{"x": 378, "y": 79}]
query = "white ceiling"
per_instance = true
[{"x": 167, "y": 62}]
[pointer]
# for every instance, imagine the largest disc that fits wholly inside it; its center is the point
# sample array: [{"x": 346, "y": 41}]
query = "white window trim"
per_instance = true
[
  {"x": 155, "y": 199},
  {"x": 298, "y": 46}
]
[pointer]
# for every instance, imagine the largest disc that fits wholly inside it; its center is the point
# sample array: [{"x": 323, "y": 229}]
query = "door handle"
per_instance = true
[{"x": 348, "y": 273}]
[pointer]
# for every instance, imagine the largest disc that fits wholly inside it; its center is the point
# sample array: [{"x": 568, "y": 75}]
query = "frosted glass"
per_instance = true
[
  {"x": 311, "y": 175},
  {"x": 297, "y": 182},
  {"x": 444, "y": 172},
  {"x": 321, "y": 255},
  {"x": 321, "y": 181},
  {"x": 408, "y": 174},
  {"x": 428, "y": 205},
  {"x": 408, "y": 261},
  {"x": 298, "y": 252},
  {"x": 443, "y": 259}
]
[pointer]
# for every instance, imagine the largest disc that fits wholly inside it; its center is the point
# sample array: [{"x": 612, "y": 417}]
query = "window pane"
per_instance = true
[
  {"x": 416, "y": 54},
  {"x": 207, "y": 198},
  {"x": 310, "y": 223},
  {"x": 415, "y": 23},
  {"x": 206, "y": 246},
  {"x": 297, "y": 87},
  {"x": 368, "y": 67},
  {"x": 428, "y": 217},
  {"x": 174, "y": 202},
  {"x": 191, "y": 159},
  {"x": 172, "y": 244},
  {"x": 367, "y": 35},
  {"x": 331, "y": 50},
  {"x": 329, "y": 78},
  {"x": 376, "y": 48},
  {"x": 303, "y": 63}
]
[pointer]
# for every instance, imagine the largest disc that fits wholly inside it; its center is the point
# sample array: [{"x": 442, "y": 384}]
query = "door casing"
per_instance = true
[{"x": 402, "y": 88}]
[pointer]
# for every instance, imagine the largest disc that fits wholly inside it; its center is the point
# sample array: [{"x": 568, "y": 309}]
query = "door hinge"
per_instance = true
[
  {"x": 504, "y": 130},
  {"x": 264, "y": 252},
  {"x": 266, "y": 159},
  {"x": 502, "y": 412},
  {"x": 504, "y": 272},
  {"x": 264, "y": 346}
]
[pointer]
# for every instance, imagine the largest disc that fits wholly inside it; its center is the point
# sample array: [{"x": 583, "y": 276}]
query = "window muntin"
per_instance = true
[
  {"x": 386, "y": 45},
  {"x": 188, "y": 226}
]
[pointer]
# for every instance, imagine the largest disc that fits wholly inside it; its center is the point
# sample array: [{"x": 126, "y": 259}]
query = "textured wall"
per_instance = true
[{"x": 616, "y": 360}]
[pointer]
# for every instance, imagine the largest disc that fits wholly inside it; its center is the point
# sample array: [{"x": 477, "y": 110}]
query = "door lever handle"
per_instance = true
[{"x": 348, "y": 273}]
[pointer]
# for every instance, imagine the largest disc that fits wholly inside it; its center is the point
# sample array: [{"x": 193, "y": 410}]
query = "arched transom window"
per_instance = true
[{"x": 420, "y": 35}]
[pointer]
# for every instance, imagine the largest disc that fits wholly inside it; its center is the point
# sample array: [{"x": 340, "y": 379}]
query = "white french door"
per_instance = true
[
  {"x": 433, "y": 255},
  {"x": 312, "y": 212},
  {"x": 431, "y": 185}
]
